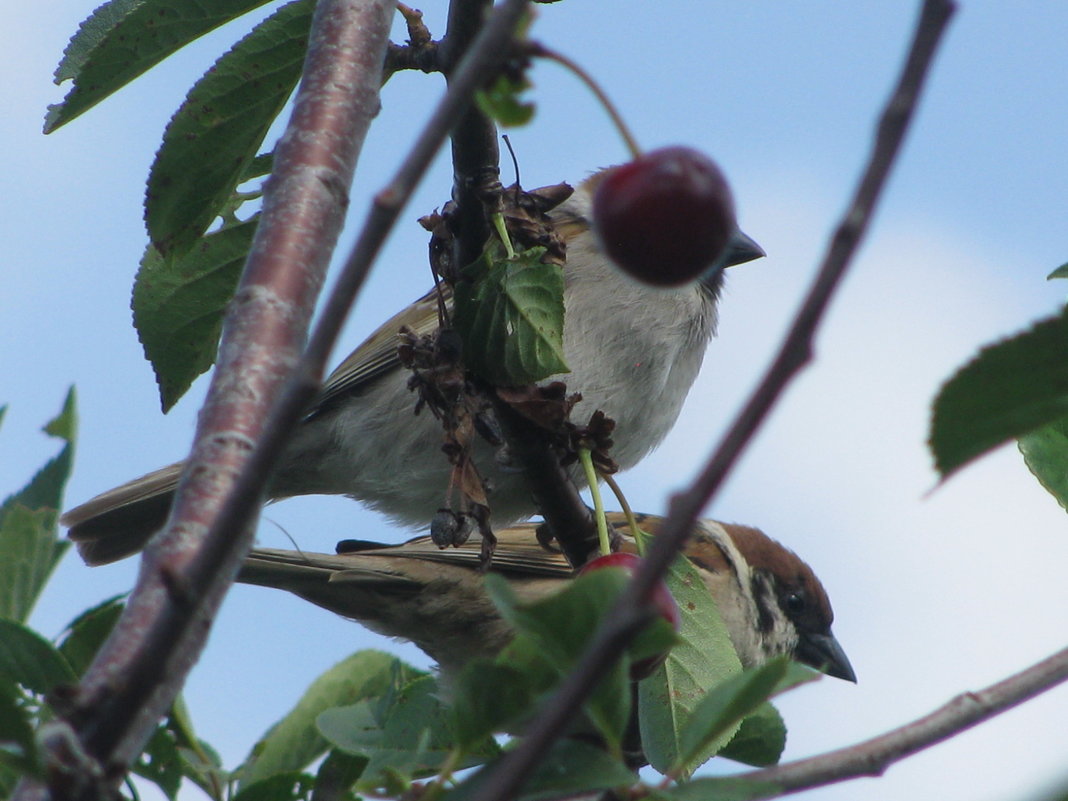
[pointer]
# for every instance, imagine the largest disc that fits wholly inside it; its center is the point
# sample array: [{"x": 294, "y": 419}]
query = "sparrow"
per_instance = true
[
  {"x": 770, "y": 600},
  {"x": 633, "y": 352}
]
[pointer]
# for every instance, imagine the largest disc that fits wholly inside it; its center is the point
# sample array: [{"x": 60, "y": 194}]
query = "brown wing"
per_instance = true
[
  {"x": 518, "y": 551},
  {"x": 377, "y": 355}
]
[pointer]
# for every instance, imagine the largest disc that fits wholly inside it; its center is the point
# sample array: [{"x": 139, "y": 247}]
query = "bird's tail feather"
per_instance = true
[{"x": 119, "y": 522}]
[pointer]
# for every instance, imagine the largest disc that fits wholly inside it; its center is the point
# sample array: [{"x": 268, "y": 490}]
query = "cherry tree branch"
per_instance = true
[
  {"x": 476, "y": 176},
  {"x": 475, "y": 154},
  {"x": 607, "y": 646},
  {"x": 872, "y": 757},
  {"x": 138, "y": 672},
  {"x": 570, "y": 520}
]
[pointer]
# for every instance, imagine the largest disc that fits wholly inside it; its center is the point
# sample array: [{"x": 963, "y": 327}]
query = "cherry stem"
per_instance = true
[
  {"x": 538, "y": 49},
  {"x": 598, "y": 504},
  {"x": 632, "y": 523},
  {"x": 502, "y": 232}
]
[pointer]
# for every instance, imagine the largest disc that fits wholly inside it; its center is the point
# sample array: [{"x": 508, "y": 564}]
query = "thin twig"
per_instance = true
[
  {"x": 475, "y": 153},
  {"x": 558, "y": 500},
  {"x": 629, "y": 140},
  {"x": 421, "y": 51},
  {"x": 872, "y": 757},
  {"x": 514, "y": 768}
]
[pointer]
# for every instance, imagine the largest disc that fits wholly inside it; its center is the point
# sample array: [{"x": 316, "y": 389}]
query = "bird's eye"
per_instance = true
[{"x": 795, "y": 602}]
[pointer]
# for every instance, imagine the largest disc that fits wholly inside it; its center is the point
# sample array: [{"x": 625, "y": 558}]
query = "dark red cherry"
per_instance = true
[
  {"x": 666, "y": 217},
  {"x": 662, "y": 599}
]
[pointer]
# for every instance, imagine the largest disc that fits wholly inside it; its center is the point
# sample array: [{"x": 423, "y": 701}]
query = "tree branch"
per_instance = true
[
  {"x": 421, "y": 51},
  {"x": 186, "y": 571},
  {"x": 476, "y": 179},
  {"x": 475, "y": 154},
  {"x": 558, "y": 500},
  {"x": 872, "y": 757},
  {"x": 515, "y": 767}
]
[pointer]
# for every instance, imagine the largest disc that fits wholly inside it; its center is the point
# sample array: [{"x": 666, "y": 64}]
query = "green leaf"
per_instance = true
[
  {"x": 563, "y": 623},
  {"x": 93, "y": 30},
  {"x": 160, "y": 762},
  {"x": 123, "y": 39},
  {"x": 510, "y": 314},
  {"x": 262, "y": 165},
  {"x": 10, "y": 768},
  {"x": 406, "y": 733},
  {"x": 45, "y": 489},
  {"x": 295, "y": 786},
  {"x": 212, "y": 139},
  {"x": 29, "y": 543},
  {"x": 574, "y": 767},
  {"x": 609, "y": 706},
  {"x": 719, "y": 715},
  {"x": 554, "y": 632},
  {"x": 87, "y": 632},
  {"x": 484, "y": 699},
  {"x": 1010, "y": 389},
  {"x": 703, "y": 658},
  {"x": 570, "y": 769},
  {"x": 1045, "y": 452},
  {"x": 726, "y": 788},
  {"x": 178, "y": 306},
  {"x": 17, "y": 746},
  {"x": 29, "y": 551},
  {"x": 760, "y": 740},
  {"x": 337, "y": 774},
  {"x": 29, "y": 659},
  {"x": 203, "y": 766},
  {"x": 500, "y": 102},
  {"x": 1060, "y": 272},
  {"x": 199, "y": 762},
  {"x": 294, "y": 742},
  {"x": 64, "y": 425}
]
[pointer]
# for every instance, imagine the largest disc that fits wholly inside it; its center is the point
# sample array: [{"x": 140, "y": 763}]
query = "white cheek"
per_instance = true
[{"x": 739, "y": 617}]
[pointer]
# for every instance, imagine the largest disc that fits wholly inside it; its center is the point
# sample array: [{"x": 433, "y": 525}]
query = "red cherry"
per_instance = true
[
  {"x": 666, "y": 216},
  {"x": 662, "y": 599}
]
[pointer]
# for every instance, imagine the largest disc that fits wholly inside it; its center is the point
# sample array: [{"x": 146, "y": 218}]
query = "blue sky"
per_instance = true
[{"x": 936, "y": 592}]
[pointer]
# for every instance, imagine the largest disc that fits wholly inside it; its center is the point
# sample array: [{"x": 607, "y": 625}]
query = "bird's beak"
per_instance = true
[
  {"x": 740, "y": 249},
  {"x": 823, "y": 652}
]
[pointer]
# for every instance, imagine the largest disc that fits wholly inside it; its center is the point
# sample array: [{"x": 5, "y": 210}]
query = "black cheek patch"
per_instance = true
[{"x": 764, "y": 598}]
